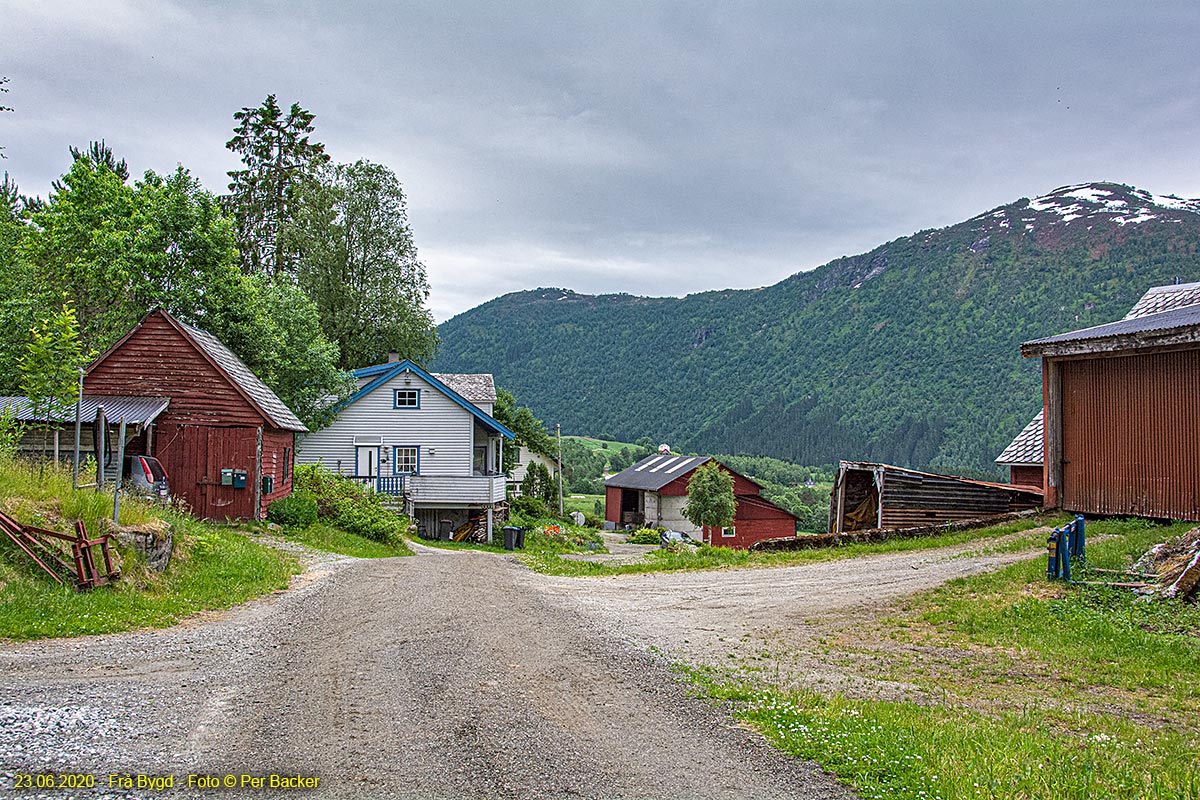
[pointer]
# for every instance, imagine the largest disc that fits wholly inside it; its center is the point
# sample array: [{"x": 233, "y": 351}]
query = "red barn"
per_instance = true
[
  {"x": 653, "y": 493},
  {"x": 225, "y": 439}
]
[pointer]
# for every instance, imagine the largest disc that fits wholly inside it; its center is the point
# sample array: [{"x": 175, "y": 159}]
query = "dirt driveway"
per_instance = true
[
  {"x": 734, "y": 617},
  {"x": 447, "y": 675}
]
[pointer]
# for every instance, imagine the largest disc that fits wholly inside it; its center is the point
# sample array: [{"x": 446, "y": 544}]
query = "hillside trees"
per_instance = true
[{"x": 357, "y": 261}]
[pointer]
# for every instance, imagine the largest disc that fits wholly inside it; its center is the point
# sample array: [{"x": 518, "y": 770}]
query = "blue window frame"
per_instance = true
[
  {"x": 406, "y": 398},
  {"x": 406, "y": 460}
]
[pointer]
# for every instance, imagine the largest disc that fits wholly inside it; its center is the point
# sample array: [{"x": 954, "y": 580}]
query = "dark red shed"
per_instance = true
[
  {"x": 653, "y": 492},
  {"x": 226, "y": 440}
]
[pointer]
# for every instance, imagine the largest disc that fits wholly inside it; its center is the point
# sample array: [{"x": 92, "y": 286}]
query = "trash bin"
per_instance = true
[
  {"x": 445, "y": 529},
  {"x": 510, "y": 536},
  {"x": 520, "y": 538}
]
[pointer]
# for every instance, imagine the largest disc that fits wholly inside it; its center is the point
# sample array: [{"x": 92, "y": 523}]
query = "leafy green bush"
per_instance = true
[
  {"x": 645, "y": 536},
  {"x": 531, "y": 507},
  {"x": 350, "y": 506},
  {"x": 297, "y": 510}
]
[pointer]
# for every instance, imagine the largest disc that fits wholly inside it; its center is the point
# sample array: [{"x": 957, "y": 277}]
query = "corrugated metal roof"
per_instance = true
[
  {"x": 655, "y": 472},
  {"x": 1027, "y": 447},
  {"x": 250, "y": 383},
  {"x": 478, "y": 387},
  {"x": 132, "y": 410},
  {"x": 1185, "y": 317},
  {"x": 1165, "y": 298}
]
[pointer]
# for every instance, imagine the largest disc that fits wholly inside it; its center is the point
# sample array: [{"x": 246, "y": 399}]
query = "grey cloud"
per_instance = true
[{"x": 649, "y": 148}]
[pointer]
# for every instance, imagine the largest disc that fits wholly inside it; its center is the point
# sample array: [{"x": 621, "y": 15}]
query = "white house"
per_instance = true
[
  {"x": 525, "y": 457},
  {"x": 425, "y": 438}
]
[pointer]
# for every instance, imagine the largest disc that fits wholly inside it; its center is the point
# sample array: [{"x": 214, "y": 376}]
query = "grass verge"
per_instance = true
[
  {"x": 724, "y": 558},
  {"x": 323, "y": 536},
  {"x": 212, "y": 566}
]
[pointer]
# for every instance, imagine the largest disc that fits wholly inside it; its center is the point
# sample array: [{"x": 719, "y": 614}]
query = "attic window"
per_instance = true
[{"x": 407, "y": 398}]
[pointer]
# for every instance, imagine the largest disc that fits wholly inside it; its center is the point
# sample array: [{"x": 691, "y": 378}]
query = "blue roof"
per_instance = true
[{"x": 382, "y": 373}]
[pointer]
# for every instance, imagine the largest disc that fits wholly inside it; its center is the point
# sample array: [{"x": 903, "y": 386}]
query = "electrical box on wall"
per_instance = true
[
  {"x": 227, "y": 477},
  {"x": 239, "y": 479}
]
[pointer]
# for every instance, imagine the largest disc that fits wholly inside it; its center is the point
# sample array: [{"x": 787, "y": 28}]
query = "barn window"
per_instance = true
[
  {"x": 408, "y": 398},
  {"x": 406, "y": 461},
  {"x": 728, "y": 533},
  {"x": 287, "y": 464}
]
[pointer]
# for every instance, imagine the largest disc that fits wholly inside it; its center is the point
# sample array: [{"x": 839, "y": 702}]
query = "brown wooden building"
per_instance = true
[
  {"x": 868, "y": 496},
  {"x": 654, "y": 491},
  {"x": 225, "y": 439},
  {"x": 1122, "y": 410}
]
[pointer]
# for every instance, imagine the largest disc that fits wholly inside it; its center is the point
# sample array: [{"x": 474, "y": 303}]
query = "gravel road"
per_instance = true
[{"x": 448, "y": 675}]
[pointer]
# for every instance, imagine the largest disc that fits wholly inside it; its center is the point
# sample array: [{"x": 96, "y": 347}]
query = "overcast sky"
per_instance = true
[{"x": 639, "y": 147}]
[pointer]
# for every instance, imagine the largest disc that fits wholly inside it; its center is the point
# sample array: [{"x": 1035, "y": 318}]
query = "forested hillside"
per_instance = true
[{"x": 906, "y": 354}]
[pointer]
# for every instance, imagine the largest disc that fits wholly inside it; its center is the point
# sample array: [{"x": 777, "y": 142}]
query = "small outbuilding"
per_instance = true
[
  {"x": 224, "y": 438},
  {"x": 653, "y": 492},
  {"x": 867, "y": 496},
  {"x": 1024, "y": 455},
  {"x": 1122, "y": 408}
]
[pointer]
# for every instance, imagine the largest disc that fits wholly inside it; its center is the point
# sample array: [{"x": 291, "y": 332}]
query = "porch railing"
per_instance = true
[{"x": 392, "y": 485}]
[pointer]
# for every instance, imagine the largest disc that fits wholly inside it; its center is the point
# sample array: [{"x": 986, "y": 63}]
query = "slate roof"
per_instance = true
[
  {"x": 478, "y": 387},
  {"x": 133, "y": 410},
  {"x": 1165, "y": 298},
  {"x": 242, "y": 376},
  {"x": 655, "y": 472},
  {"x": 1027, "y": 447}
]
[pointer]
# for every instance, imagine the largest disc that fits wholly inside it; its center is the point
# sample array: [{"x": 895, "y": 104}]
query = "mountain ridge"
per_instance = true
[{"x": 905, "y": 353}]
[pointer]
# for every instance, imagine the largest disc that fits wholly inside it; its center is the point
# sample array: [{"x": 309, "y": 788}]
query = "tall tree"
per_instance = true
[
  {"x": 280, "y": 163},
  {"x": 50, "y": 365},
  {"x": 359, "y": 264}
]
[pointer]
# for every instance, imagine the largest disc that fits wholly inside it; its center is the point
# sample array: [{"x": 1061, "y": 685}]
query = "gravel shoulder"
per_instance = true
[
  {"x": 448, "y": 675},
  {"x": 736, "y": 617}
]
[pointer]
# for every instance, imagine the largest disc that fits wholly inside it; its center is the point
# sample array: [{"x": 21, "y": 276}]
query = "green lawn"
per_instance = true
[
  {"x": 585, "y": 503},
  {"x": 1034, "y": 690},
  {"x": 323, "y": 536},
  {"x": 725, "y": 558}
]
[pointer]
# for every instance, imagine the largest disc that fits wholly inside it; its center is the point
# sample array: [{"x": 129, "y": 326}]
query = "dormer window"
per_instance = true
[{"x": 407, "y": 398}]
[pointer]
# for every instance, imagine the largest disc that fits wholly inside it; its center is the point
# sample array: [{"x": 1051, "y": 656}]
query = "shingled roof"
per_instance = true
[
  {"x": 1165, "y": 298},
  {"x": 478, "y": 387},
  {"x": 243, "y": 378},
  {"x": 1027, "y": 447}
]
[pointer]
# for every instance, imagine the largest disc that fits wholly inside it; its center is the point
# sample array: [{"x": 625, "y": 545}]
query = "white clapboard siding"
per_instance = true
[{"x": 440, "y": 427}]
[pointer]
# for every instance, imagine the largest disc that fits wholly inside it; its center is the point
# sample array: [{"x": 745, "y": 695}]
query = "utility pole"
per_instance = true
[
  {"x": 558, "y": 433},
  {"x": 78, "y": 429}
]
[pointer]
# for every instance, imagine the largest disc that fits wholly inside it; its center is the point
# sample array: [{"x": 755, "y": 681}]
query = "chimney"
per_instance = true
[{"x": 393, "y": 357}]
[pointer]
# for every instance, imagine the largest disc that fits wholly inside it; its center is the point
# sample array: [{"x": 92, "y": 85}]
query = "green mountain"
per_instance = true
[{"x": 906, "y": 354}]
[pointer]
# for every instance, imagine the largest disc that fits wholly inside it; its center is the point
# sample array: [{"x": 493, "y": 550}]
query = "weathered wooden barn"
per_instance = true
[
  {"x": 653, "y": 492},
  {"x": 867, "y": 496},
  {"x": 225, "y": 439},
  {"x": 1122, "y": 408},
  {"x": 1025, "y": 456}
]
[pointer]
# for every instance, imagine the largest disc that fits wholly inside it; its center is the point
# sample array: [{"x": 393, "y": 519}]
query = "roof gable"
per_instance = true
[
  {"x": 231, "y": 368},
  {"x": 383, "y": 373}
]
